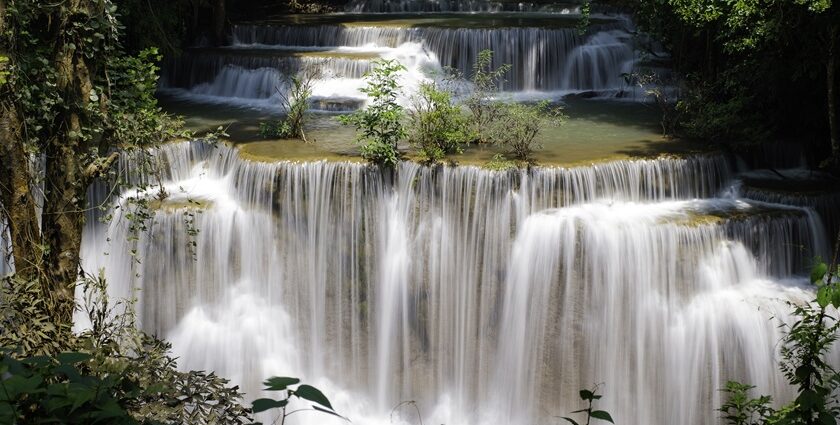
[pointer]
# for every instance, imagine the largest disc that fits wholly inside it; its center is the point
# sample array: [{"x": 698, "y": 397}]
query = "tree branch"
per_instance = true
[{"x": 99, "y": 167}]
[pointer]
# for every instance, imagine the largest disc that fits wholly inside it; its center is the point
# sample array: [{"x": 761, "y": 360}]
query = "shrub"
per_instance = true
[
  {"x": 437, "y": 126},
  {"x": 517, "y": 125},
  {"x": 295, "y": 104},
  {"x": 500, "y": 163},
  {"x": 380, "y": 123},
  {"x": 484, "y": 108},
  {"x": 720, "y": 113}
]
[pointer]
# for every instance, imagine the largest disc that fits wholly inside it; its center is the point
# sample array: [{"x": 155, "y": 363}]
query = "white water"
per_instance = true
[
  {"x": 486, "y": 297},
  {"x": 547, "y": 62},
  {"x": 396, "y": 6}
]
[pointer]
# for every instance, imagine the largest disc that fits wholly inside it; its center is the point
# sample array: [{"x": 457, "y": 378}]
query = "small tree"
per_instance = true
[
  {"x": 380, "y": 123},
  {"x": 517, "y": 126},
  {"x": 653, "y": 87},
  {"x": 295, "y": 104},
  {"x": 484, "y": 108},
  {"x": 437, "y": 126}
]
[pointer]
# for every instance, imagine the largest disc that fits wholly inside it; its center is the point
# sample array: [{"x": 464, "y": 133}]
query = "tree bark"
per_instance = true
[
  {"x": 66, "y": 183},
  {"x": 831, "y": 84},
  {"x": 17, "y": 203},
  {"x": 16, "y": 197},
  {"x": 219, "y": 20}
]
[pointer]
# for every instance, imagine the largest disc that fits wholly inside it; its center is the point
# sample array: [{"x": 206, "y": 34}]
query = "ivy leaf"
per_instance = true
[
  {"x": 824, "y": 296},
  {"x": 602, "y": 415},
  {"x": 818, "y": 272},
  {"x": 263, "y": 404},
  {"x": 313, "y": 394},
  {"x": 73, "y": 358},
  {"x": 279, "y": 383},
  {"x": 321, "y": 409}
]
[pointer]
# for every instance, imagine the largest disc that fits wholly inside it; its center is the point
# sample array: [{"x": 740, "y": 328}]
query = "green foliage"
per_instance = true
[
  {"x": 112, "y": 373},
  {"x": 590, "y": 396},
  {"x": 500, "y": 163},
  {"x": 437, "y": 126},
  {"x": 740, "y": 409},
  {"x": 720, "y": 113},
  {"x": 275, "y": 129},
  {"x": 380, "y": 123},
  {"x": 481, "y": 103},
  {"x": 58, "y": 390},
  {"x": 517, "y": 125},
  {"x": 4, "y": 74},
  {"x": 25, "y": 320},
  {"x": 755, "y": 70},
  {"x": 804, "y": 364},
  {"x": 295, "y": 106},
  {"x": 585, "y": 17},
  {"x": 133, "y": 117},
  {"x": 121, "y": 110}
]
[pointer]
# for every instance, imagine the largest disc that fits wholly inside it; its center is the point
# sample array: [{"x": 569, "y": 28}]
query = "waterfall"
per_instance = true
[
  {"x": 542, "y": 58},
  {"x": 485, "y": 296},
  {"x": 398, "y": 6},
  {"x": 549, "y": 57},
  {"x": 6, "y": 262}
]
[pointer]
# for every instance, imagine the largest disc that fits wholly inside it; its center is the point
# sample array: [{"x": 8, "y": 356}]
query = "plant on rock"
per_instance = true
[
  {"x": 380, "y": 123},
  {"x": 517, "y": 126},
  {"x": 295, "y": 104},
  {"x": 484, "y": 108},
  {"x": 437, "y": 126}
]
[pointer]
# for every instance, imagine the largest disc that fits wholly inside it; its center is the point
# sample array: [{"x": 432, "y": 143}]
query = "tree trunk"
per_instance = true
[
  {"x": 66, "y": 183},
  {"x": 219, "y": 20},
  {"x": 17, "y": 203},
  {"x": 831, "y": 82}
]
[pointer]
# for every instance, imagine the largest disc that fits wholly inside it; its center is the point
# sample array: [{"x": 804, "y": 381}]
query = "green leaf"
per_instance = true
[
  {"x": 572, "y": 421},
  {"x": 321, "y": 409},
  {"x": 279, "y": 383},
  {"x": 835, "y": 297},
  {"x": 824, "y": 296},
  {"x": 312, "y": 394},
  {"x": 586, "y": 394},
  {"x": 263, "y": 404},
  {"x": 17, "y": 385},
  {"x": 602, "y": 415},
  {"x": 818, "y": 272}
]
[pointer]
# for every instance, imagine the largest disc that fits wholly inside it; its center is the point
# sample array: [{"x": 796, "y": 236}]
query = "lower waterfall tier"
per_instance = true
[{"x": 487, "y": 297}]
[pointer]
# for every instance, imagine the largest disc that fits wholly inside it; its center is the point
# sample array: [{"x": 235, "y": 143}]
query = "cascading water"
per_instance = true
[
  {"x": 487, "y": 297},
  {"x": 548, "y": 54}
]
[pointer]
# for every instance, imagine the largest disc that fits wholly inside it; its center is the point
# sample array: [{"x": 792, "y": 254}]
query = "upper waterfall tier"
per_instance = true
[
  {"x": 547, "y": 54},
  {"x": 395, "y": 6},
  {"x": 542, "y": 58}
]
